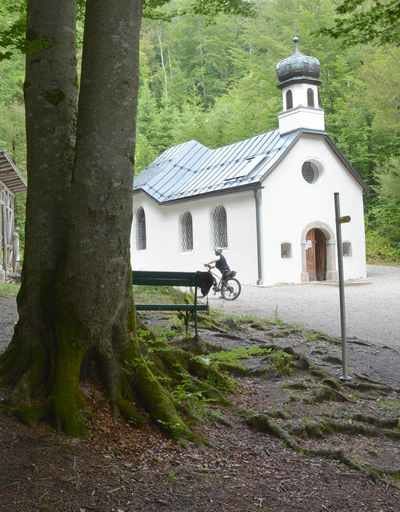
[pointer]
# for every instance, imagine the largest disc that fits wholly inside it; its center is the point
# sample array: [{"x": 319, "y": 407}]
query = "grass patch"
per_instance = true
[
  {"x": 230, "y": 360},
  {"x": 256, "y": 322},
  {"x": 231, "y": 356},
  {"x": 9, "y": 289},
  {"x": 160, "y": 295},
  {"x": 281, "y": 361},
  {"x": 390, "y": 404}
]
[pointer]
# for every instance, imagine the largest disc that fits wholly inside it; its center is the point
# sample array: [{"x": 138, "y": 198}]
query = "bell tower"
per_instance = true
[{"x": 298, "y": 77}]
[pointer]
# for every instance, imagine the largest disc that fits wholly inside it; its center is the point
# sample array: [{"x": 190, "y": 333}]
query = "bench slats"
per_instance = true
[{"x": 142, "y": 277}]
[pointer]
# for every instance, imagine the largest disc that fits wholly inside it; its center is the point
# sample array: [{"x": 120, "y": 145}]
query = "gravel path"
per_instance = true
[
  {"x": 8, "y": 317},
  {"x": 373, "y": 309}
]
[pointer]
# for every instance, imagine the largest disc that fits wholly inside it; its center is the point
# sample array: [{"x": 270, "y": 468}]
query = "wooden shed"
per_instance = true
[{"x": 11, "y": 183}]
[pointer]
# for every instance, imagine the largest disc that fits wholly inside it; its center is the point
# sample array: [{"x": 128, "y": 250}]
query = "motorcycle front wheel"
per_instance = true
[{"x": 231, "y": 289}]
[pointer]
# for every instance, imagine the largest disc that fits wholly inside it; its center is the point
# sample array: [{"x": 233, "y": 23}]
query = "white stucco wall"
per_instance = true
[
  {"x": 290, "y": 204},
  {"x": 163, "y": 250},
  {"x": 301, "y": 115},
  {"x": 299, "y": 92}
]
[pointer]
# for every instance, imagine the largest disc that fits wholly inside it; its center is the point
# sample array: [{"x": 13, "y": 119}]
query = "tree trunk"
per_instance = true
[
  {"x": 50, "y": 99},
  {"x": 95, "y": 286},
  {"x": 75, "y": 304}
]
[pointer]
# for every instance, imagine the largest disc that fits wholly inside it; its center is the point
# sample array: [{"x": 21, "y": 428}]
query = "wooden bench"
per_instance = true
[{"x": 190, "y": 279}]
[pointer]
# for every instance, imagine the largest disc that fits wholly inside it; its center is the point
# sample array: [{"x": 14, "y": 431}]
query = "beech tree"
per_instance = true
[
  {"x": 75, "y": 305},
  {"x": 361, "y": 21}
]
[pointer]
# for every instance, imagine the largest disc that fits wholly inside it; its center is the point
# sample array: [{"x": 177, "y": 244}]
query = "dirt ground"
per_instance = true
[{"x": 123, "y": 469}]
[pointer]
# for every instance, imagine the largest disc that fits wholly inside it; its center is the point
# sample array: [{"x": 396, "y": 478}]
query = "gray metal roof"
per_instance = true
[
  {"x": 191, "y": 169},
  {"x": 9, "y": 174}
]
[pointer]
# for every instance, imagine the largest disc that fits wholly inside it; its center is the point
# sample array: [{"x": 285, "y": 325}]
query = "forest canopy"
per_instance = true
[{"x": 212, "y": 78}]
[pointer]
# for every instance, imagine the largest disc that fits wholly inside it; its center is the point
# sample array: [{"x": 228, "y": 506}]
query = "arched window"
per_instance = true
[
  {"x": 289, "y": 100},
  {"x": 310, "y": 98},
  {"x": 347, "y": 249},
  {"x": 219, "y": 227},
  {"x": 286, "y": 250},
  {"x": 141, "y": 241},
  {"x": 186, "y": 223}
]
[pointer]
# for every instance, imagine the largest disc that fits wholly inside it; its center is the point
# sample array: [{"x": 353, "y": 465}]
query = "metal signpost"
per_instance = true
[{"x": 339, "y": 221}]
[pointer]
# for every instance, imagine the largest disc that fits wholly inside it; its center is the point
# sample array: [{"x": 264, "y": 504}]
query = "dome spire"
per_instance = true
[
  {"x": 298, "y": 68},
  {"x": 296, "y": 40},
  {"x": 299, "y": 79}
]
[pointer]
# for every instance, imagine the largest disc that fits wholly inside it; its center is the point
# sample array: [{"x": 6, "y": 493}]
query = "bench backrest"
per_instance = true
[{"x": 151, "y": 278}]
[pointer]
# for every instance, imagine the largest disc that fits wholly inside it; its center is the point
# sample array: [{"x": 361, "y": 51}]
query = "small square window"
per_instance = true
[
  {"x": 286, "y": 250},
  {"x": 347, "y": 249}
]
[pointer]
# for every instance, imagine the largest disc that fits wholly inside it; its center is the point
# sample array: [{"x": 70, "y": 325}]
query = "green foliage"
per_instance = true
[
  {"x": 359, "y": 21},
  {"x": 384, "y": 217},
  {"x": 380, "y": 250},
  {"x": 282, "y": 362},
  {"x": 12, "y": 27}
]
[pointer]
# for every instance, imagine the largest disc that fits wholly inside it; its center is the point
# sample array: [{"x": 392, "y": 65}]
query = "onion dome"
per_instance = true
[{"x": 298, "y": 68}]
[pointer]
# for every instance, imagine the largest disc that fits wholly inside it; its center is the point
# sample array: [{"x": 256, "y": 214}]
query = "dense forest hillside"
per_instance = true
[{"x": 214, "y": 80}]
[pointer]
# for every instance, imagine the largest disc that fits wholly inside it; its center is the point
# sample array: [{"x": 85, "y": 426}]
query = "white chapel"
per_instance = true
[{"x": 268, "y": 200}]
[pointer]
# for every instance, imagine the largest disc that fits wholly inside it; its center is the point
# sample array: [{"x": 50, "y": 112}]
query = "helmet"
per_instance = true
[{"x": 218, "y": 251}]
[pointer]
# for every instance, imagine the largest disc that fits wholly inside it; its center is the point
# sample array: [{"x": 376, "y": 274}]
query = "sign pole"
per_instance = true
[{"x": 339, "y": 221}]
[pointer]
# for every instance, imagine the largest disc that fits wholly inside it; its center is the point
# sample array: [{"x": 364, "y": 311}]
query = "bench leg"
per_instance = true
[
  {"x": 187, "y": 323},
  {"x": 195, "y": 314}
]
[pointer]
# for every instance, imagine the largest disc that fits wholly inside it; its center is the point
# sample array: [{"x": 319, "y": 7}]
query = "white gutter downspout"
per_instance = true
[{"x": 258, "y": 203}]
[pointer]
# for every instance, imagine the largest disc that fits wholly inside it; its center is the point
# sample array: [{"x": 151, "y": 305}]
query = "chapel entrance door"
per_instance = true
[{"x": 316, "y": 255}]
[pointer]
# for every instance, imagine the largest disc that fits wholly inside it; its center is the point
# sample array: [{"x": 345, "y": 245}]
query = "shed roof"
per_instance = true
[
  {"x": 190, "y": 169},
  {"x": 9, "y": 174}
]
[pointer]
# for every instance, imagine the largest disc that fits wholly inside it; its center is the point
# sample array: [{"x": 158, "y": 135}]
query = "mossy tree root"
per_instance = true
[
  {"x": 139, "y": 371},
  {"x": 264, "y": 423},
  {"x": 23, "y": 370},
  {"x": 319, "y": 429},
  {"x": 153, "y": 396}
]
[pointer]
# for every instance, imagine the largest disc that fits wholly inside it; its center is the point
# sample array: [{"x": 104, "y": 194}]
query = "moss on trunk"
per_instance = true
[{"x": 66, "y": 400}]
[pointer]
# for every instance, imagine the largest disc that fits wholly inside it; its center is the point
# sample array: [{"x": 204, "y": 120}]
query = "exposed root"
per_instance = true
[
  {"x": 339, "y": 456},
  {"x": 264, "y": 423},
  {"x": 378, "y": 422},
  {"x": 328, "y": 394},
  {"x": 31, "y": 414},
  {"x": 368, "y": 386},
  {"x": 331, "y": 426}
]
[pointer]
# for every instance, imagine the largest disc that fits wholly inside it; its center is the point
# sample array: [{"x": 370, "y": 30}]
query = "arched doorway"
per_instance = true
[{"x": 316, "y": 255}]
